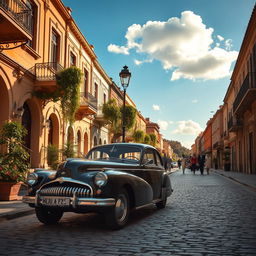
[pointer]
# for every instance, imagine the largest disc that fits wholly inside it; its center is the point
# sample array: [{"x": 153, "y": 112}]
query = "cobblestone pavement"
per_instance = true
[{"x": 206, "y": 215}]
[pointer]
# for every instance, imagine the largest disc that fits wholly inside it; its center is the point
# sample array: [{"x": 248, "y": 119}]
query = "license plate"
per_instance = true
[{"x": 55, "y": 201}]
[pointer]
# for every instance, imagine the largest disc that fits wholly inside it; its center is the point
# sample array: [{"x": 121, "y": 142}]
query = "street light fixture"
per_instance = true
[{"x": 125, "y": 76}]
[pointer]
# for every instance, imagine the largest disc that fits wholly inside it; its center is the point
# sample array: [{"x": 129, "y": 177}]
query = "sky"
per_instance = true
[{"x": 180, "y": 53}]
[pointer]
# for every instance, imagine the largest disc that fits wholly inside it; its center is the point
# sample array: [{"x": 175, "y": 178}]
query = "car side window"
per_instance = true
[
  {"x": 158, "y": 160},
  {"x": 149, "y": 157}
]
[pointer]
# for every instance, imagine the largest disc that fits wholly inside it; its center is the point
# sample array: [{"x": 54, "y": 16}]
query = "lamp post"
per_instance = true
[{"x": 125, "y": 76}]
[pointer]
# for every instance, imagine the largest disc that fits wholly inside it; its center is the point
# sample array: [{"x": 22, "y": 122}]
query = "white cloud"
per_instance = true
[
  {"x": 118, "y": 49},
  {"x": 220, "y": 37},
  {"x": 183, "y": 45},
  {"x": 187, "y": 144},
  {"x": 228, "y": 44},
  {"x": 156, "y": 107},
  {"x": 139, "y": 62},
  {"x": 188, "y": 127},
  {"x": 163, "y": 124},
  {"x": 171, "y": 122},
  {"x": 194, "y": 101}
]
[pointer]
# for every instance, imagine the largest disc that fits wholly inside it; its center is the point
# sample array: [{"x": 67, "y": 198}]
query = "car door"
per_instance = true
[{"x": 153, "y": 170}]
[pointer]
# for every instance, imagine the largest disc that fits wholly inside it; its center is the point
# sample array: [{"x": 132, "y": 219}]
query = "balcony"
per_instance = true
[
  {"x": 15, "y": 22},
  {"x": 246, "y": 94},
  {"x": 88, "y": 105},
  {"x": 45, "y": 74},
  {"x": 234, "y": 124}
]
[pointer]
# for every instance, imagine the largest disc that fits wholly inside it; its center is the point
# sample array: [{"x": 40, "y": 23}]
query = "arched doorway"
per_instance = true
[
  {"x": 4, "y": 102},
  {"x": 85, "y": 143},
  {"x": 26, "y": 122},
  {"x": 100, "y": 142},
  {"x": 94, "y": 141},
  {"x": 53, "y": 130},
  {"x": 78, "y": 137}
]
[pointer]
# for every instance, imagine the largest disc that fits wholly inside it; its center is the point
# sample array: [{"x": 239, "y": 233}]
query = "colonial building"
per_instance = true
[
  {"x": 233, "y": 127},
  {"x": 53, "y": 42},
  {"x": 242, "y": 110}
]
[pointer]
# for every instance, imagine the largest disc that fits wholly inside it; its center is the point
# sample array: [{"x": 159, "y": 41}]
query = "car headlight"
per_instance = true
[
  {"x": 32, "y": 179},
  {"x": 100, "y": 179}
]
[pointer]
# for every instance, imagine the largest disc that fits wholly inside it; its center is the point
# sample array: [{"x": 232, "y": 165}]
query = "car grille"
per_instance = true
[{"x": 67, "y": 191}]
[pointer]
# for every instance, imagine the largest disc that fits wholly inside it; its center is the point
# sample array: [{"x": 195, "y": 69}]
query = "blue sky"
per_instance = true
[{"x": 180, "y": 53}]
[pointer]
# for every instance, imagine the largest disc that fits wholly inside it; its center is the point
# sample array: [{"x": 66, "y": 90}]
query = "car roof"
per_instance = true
[{"x": 127, "y": 144}]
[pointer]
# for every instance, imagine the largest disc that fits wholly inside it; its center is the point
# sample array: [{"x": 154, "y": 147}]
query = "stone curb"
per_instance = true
[
  {"x": 14, "y": 215},
  {"x": 238, "y": 181}
]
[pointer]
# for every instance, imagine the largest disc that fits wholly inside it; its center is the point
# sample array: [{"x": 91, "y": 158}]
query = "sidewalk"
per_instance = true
[
  {"x": 15, "y": 209},
  {"x": 248, "y": 180}
]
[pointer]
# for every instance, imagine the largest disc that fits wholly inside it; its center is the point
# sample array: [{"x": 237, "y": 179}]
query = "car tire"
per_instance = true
[
  {"x": 161, "y": 204},
  {"x": 48, "y": 216},
  {"x": 118, "y": 216}
]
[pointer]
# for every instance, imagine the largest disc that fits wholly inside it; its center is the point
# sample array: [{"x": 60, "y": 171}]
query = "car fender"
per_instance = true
[
  {"x": 140, "y": 191},
  {"x": 44, "y": 176}
]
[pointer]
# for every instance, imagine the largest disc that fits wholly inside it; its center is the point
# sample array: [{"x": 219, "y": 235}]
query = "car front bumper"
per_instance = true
[{"x": 74, "y": 201}]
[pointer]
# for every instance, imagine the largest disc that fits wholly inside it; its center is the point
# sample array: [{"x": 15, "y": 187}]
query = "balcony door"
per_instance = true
[{"x": 55, "y": 40}]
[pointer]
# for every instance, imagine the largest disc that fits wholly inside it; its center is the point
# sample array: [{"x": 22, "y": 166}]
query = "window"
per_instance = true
[
  {"x": 104, "y": 98},
  {"x": 96, "y": 91},
  {"x": 158, "y": 160},
  {"x": 72, "y": 59},
  {"x": 31, "y": 21},
  {"x": 149, "y": 157},
  {"x": 85, "y": 82},
  {"x": 55, "y": 39}
]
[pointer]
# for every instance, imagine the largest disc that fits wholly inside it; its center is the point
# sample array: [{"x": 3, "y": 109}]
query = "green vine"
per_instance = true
[
  {"x": 69, "y": 85},
  {"x": 68, "y": 90}
]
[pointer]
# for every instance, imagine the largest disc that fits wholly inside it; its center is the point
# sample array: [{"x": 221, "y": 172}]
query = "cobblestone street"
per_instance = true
[{"x": 206, "y": 215}]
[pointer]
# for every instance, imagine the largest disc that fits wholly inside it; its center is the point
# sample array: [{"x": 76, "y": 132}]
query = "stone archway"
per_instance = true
[{"x": 4, "y": 102}]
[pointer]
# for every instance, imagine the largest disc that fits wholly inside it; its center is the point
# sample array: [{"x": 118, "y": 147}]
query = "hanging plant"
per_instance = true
[
  {"x": 69, "y": 81},
  {"x": 68, "y": 92},
  {"x": 113, "y": 113},
  {"x": 138, "y": 136},
  {"x": 153, "y": 139}
]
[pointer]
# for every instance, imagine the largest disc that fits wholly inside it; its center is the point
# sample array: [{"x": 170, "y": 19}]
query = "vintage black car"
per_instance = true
[{"x": 112, "y": 179}]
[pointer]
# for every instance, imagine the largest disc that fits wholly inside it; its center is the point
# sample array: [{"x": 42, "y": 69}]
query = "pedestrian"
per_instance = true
[
  {"x": 179, "y": 163},
  {"x": 201, "y": 160},
  {"x": 193, "y": 162},
  {"x": 208, "y": 164},
  {"x": 183, "y": 164}
]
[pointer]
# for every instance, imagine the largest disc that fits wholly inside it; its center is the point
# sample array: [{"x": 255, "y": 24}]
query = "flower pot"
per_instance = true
[{"x": 9, "y": 191}]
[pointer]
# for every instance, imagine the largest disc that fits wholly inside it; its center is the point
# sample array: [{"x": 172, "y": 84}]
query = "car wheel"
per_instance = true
[
  {"x": 118, "y": 216},
  {"x": 48, "y": 216},
  {"x": 161, "y": 204}
]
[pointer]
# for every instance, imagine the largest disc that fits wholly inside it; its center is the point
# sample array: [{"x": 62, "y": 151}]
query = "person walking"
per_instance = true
[
  {"x": 179, "y": 163},
  {"x": 193, "y": 162},
  {"x": 183, "y": 164},
  {"x": 201, "y": 161}
]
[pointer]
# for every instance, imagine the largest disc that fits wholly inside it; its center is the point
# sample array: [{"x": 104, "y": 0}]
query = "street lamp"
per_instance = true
[{"x": 125, "y": 76}]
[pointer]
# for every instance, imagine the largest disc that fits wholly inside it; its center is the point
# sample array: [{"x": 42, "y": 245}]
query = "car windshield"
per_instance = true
[{"x": 116, "y": 153}]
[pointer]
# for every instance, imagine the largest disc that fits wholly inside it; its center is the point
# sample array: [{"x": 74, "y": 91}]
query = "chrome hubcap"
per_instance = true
[{"x": 121, "y": 208}]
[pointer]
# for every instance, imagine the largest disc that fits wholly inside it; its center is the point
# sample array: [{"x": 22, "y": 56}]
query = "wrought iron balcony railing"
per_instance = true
[
  {"x": 47, "y": 71},
  {"x": 88, "y": 100},
  {"x": 234, "y": 124},
  {"x": 248, "y": 84},
  {"x": 20, "y": 12}
]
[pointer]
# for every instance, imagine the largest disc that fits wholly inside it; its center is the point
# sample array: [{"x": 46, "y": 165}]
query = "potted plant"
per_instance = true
[{"x": 14, "y": 160}]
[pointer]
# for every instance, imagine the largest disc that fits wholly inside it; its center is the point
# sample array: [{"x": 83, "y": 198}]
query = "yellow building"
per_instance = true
[{"x": 53, "y": 42}]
